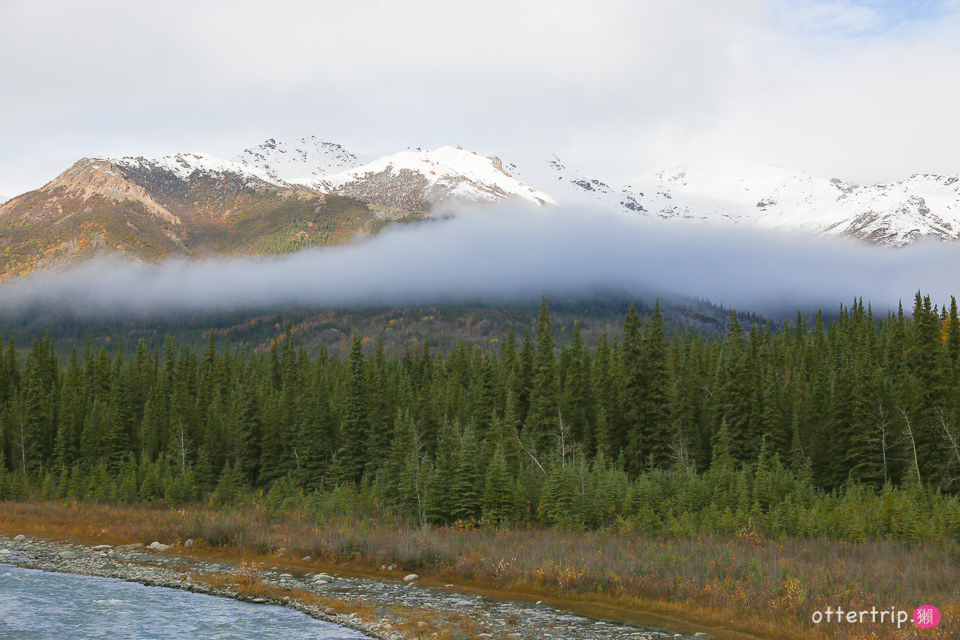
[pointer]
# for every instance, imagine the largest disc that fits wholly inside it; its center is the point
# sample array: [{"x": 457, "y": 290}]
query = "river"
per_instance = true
[
  {"x": 42, "y": 605},
  {"x": 102, "y": 592}
]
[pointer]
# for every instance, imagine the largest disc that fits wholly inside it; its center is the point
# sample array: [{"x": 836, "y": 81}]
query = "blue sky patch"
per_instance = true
[{"x": 862, "y": 18}]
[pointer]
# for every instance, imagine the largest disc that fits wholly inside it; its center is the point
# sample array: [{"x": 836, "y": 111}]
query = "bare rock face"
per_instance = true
[
  {"x": 182, "y": 206},
  {"x": 404, "y": 188},
  {"x": 89, "y": 178}
]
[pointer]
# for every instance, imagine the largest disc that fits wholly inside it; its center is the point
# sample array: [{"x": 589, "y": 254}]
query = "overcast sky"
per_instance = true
[{"x": 860, "y": 89}]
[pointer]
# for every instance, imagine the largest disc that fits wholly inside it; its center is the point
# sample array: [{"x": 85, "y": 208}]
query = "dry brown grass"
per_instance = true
[
  {"x": 768, "y": 587},
  {"x": 246, "y": 583}
]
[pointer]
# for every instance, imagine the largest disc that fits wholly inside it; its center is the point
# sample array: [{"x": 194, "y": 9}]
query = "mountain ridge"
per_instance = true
[
  {"x": 186, "y": 205},
  {"x": 283, "y": 196},
  {"x": 303, "y": 159},
  {"x": 892, "y": 213}
]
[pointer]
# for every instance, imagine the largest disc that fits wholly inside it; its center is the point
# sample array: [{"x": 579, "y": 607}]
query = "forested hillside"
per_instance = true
[
  {"x": 443, "y": 326},
  {"x": 847, "y": 428}
]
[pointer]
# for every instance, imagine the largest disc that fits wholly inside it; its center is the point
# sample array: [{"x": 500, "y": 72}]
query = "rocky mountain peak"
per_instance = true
[
  {"x": 97, "y": 177},
  {"x": 299, "y": 160},
  {"x": 419, "y": 179}
]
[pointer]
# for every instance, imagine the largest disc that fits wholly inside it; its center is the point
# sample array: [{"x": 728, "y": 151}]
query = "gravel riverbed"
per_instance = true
[{"x": 390, "y": 601}]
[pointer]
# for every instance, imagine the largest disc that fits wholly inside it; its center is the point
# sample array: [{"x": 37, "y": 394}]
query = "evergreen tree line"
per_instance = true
[{"x": 848, "y": 428}]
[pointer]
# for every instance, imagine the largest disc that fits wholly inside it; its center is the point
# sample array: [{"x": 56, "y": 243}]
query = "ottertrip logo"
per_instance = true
[{"x": 925, "y": 616}]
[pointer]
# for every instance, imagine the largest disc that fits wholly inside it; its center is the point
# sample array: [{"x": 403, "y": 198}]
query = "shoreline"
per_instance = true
[
  {"x": 348, "y": 604},
  {"x": 501, "y": 578},
  {"x": 140, "y": 564}
]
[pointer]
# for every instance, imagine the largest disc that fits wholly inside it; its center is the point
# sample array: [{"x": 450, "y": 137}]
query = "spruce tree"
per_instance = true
[
  {"x": 542, "y": 420},
  {"x": 466, "y": 490},
  {"x": 498, "y": 506},
  {"x": 71, "y": 414},
  {"x": 439, "y": 479},
  {"x": 354, "y": 428},
  {"x": 630, "y": 435},
  {"x": 523, "y": 378},
  {"x": 927, "y": 395},
  {"x": 737, "y": 387},
  {"x": 246, "y": 436},
  {"x": 118, "y": 440},
  {"x": 380, "y": 425},
  {"x": 576, "y": 392},
  {"x": 655, "y": 433}
]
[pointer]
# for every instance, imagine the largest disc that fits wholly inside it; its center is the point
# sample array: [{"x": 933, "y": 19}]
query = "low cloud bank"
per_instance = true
[{"x": 510, "y": 254}]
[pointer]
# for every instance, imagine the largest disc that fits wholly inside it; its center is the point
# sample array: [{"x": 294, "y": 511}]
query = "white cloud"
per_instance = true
[{"x": 859, "y": 89}]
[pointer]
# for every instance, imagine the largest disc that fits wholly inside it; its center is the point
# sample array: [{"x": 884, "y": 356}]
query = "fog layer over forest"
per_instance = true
[{"x": 510, "y": 254}]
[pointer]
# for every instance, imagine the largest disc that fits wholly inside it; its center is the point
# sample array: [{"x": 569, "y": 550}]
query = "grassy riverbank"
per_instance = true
[{"x": 769, "y": 588}]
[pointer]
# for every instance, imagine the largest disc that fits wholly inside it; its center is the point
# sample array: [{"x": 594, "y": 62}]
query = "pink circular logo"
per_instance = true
[{"x": 926, "y": 616}]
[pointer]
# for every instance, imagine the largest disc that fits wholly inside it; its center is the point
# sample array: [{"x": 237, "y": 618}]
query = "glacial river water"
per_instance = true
[{"x": 38, "y": 605}]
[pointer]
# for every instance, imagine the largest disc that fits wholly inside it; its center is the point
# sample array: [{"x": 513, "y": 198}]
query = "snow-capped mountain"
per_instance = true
[
  {"x": 299, "y": 161},
  {"x": 188, "y": 166},
  {"x": 895, "y": 214},
  {"x": 283, "y": 196},
  {"x": 415, "y": 179},
  {"x": 409, "y": 179},
  {"x": 194, "y": 204},
  {"x": 567, "y": 186}
]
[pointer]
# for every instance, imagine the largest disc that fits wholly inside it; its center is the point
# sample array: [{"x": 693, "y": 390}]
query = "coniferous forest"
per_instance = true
[{"x": 844, "y": 428}]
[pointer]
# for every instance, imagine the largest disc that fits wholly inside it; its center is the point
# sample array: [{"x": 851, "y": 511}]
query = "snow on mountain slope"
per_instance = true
[
  {"x": 186, "y": 165},
  {"x": 892, "y": 214},
  {"x": 546, "y": 172},
  {"x": 3, "y": 199},
  {"x": 301, "y": 160},
  {"x": 414, "y": 178}
]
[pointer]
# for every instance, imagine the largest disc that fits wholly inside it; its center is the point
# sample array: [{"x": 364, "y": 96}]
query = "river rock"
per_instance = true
[
  {"x": 102, "y": 547},
  {"x": 156, "y": 546},
  {"x": 5, "y": 552},
  {"x": 494, "y": 620},
  {"x": 188, "y": 543},
  {"x": 20, "y": 538}
]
